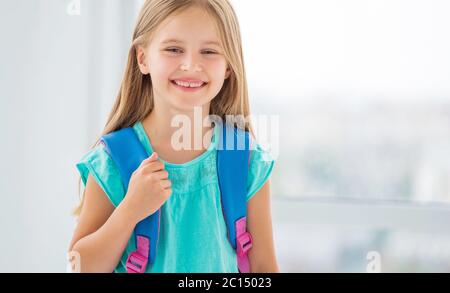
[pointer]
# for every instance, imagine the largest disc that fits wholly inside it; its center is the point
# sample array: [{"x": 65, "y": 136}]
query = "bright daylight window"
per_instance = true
[{"x": 362, "y": 89}]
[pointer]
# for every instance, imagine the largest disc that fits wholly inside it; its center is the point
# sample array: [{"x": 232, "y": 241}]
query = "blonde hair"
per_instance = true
[{"x": 135, "y": 98}]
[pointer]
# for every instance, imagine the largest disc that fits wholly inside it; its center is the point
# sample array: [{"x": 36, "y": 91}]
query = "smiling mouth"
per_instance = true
[{"x": 188, "y": 87}]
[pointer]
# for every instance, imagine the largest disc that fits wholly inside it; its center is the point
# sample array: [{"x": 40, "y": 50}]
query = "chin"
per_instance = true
[{"x": 188, "y": 105}]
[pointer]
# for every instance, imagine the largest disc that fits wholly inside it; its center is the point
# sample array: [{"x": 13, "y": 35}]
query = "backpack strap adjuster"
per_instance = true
[
  {"x": 244, "y": 243},
  {"x": 137, "y": 260},
  {"x": 136, "y": 263}
]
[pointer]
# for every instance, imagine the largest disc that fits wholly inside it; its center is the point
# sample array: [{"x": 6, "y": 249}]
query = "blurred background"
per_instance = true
[{"x": 361, "y": 89}]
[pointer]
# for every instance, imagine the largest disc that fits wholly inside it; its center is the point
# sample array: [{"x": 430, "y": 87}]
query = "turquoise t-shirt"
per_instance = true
[{"x": 193, "y": 235}]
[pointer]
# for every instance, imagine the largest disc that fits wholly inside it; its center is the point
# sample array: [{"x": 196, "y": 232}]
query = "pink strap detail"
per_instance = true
[
  {"x": 137, "y": 260},
  {"x": 244, "y": 243}
]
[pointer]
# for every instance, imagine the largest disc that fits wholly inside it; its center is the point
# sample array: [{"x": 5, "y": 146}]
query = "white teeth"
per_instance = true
[{"x": 188, "y": 84}]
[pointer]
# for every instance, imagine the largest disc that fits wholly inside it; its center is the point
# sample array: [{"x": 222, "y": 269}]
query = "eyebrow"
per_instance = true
[{"x": 181, "y": 42}]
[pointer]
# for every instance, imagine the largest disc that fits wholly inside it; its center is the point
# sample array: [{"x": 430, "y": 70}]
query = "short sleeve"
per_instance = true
[
  {"x": 261, "y": 165},
  {"x": 99, "y": 164}
]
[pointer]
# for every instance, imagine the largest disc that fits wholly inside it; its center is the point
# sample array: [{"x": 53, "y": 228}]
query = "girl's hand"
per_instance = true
[{"x": 148, "y": 189}]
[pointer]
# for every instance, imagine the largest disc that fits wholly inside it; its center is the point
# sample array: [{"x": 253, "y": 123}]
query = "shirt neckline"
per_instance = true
[{"x": 212, "y": 146}]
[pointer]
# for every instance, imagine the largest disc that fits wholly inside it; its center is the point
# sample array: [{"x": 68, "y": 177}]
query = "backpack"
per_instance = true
[{"x": 127, "y": 152}]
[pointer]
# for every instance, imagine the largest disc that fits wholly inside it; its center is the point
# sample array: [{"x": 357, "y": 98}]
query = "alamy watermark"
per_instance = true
[
  {"x": 374, "y": 265},
  {"x": 73, "y": 262},
  {"x": 188, "y": 136},
  {"x": 74, "y": 8}
]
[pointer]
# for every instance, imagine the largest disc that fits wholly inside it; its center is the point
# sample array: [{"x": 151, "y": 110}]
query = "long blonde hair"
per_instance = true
[{"x": 135, "y": 98}]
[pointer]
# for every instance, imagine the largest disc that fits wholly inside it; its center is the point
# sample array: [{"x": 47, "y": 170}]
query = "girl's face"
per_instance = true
[{"x": 185, "y": 47}]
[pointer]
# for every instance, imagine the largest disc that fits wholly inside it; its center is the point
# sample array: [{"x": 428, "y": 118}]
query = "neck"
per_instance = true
[{"x": 158, "y": 125}]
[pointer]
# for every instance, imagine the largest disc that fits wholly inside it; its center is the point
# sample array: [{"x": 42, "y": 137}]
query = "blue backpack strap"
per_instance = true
[
  {"x": 233, "y": 155},
  {"x": 127, "y": 152}
]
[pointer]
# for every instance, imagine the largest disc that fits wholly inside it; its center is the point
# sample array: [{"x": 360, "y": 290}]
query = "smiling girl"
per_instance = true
[{"x": 185, "y": 54}]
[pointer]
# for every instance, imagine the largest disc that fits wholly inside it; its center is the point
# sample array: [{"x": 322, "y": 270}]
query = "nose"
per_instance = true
[{"x": 191, "y": 62}]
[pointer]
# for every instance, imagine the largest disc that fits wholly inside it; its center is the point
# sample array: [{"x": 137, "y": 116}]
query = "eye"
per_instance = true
[
  {"x": 177, "y": 50},
  {"x": 171, "y": 50}
]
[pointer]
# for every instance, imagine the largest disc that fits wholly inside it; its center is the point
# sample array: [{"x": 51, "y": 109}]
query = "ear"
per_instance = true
[
  {"x": 142, "y": 60},
  {"x": 227, "y": 73}
]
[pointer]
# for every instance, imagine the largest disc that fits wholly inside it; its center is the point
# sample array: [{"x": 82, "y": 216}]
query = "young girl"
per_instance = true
[{"x": 185, "y": 54}]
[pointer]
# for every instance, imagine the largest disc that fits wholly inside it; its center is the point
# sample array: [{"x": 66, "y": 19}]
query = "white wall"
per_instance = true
[{"x": 58, "y": 75}]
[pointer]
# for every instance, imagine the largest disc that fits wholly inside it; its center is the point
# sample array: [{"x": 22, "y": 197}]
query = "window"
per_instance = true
[{"x": 362, "y": 89}]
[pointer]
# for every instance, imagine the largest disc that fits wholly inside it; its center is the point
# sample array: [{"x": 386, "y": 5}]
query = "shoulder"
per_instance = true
[
  {"x": 101, "y": 167},
  {"x": 262, "y": 161}
]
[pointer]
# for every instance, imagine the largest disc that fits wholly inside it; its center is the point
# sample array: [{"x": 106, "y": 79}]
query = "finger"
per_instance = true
[
  {"x": 153, "y": 167},
  {"x": 166, "y": 183},
  {"x": 157, "y": 163},
  {"x": 161, "y": 175},
  {"x": 168, "y": 192},
  {"x": 152, "y": 158}
]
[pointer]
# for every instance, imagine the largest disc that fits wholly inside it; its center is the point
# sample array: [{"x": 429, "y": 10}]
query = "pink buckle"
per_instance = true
[
  {"x": 137, "y": 260},
  {"x": 244, "y": 243},
  {"x": 136, "y": 263}
]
